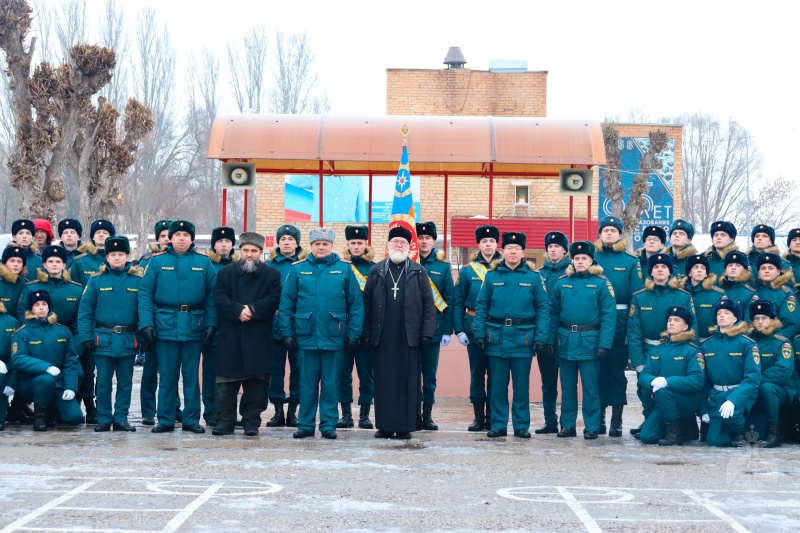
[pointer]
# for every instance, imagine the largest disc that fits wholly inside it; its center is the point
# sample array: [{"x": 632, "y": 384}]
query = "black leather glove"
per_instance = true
[
  {"x": 543, "y": 350},
  {"x": 290, "y": 344},
  {"x": 88, "y": 347},
  {"x": 351, "y": 345},
  {"x": 427, "y": 341},
  {"x": 149, "y": 336},
  {"x": 208, "y": 335},
  {"x": 602, "y": 353},
  {"x": 481, "y": 343},
  {"x": 365, "y": 342}
]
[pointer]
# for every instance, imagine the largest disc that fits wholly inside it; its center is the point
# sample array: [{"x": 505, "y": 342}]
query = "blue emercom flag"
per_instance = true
[{"x": 403, "y": 203}]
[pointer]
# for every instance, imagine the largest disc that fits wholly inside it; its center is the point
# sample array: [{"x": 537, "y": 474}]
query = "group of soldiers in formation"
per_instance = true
[{"x": 711, "y": 336}]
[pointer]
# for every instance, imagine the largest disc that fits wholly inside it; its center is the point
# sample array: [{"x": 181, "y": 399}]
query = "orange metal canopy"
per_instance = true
[{"x": 518, "y": 146}]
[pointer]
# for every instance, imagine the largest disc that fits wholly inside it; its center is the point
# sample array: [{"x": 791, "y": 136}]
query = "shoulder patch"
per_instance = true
[
  {"x": 756, "y": 356},
  {"x": 298, "y": 262},
  {"x": 701, "y": 360},
  {"x": 786, "y": 351}
]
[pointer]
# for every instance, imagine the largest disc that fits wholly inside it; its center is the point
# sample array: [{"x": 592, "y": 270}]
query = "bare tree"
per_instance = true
[
  {"x": 776, "y": 204},
  {"x": 112, "y": 35},
  {"x": 715, "y": 170},
  {"x": 295, "y": 88},
  {"x": 248, "y": 70},
  {"x": 70, "y": 26}
]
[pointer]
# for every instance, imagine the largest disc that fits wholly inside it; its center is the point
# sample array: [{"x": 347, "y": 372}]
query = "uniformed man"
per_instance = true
[
  {"x": 442, "y": 287},
  {"x": 70, "y": 232},
  {"x": 648, "y": 314},
  {"x": 177, "y": 312},
  {"x": 149, "y": 359},
  {"x": 321, "y": 314},
  {"x": 680, "y": 246},
  {"x": 653, "y": 238},
  {"x": 288, "y": 251},
  {"x": 8, "y": 324},
  {"x": 673, "y": 379},
  {"x": 723, "y": 241},
  {"x": 22, "y": 236},
  {"x": 776, "y": 286},
  {"x": 555, "y": 265},
  {"x": 470, "y": 280},
  {"x": 360, "y": 255},
  {"x": 625, "y": 274},
  {"x": 512, "y": 322},
  {"x": 777, "y": 388},
  {"x": 583, "y": 319},
  {"x": 221, "y": 254},
  {"x": 733, "y": 375},
  {"x": 65, "y": 298},
  {"x": 45, "y": 364},
  {"x": 792, "y": 255},
  {"x": 43, "y": 235},
  {"x": 108, "y": 327},
  {"x": 705, "y": 293},
  {"x": 763, "y": 238},
  {"x": 92, "y": 254},
  {"x": 737, "y": 279},
  {"x": 13, "y": 290}
]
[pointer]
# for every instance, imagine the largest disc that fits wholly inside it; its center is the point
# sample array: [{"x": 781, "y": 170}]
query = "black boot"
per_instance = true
[
  {"x": 278, "y": 420},
  {"x": 91, "y": 411},
  {"x": 363, "y": 417},
  {"x": 616, "y": 421},
  {"x": 703, "y": 431},
  {"x": 773, "y": 439},
  {"x": 635, "y": 431},
  {"x": 427, "y": 421},
  {"x": 18, "y": 412},
  {"x": 347, "y": 416},
  {"x": 603, "y": 429},
  {"x": 291, "y": 414},
  {"x": 477, "y": 422},
  {"x": 40, "y": 419},
  {"x": 737, "y": 440},
  {"x": 673, "y": 436}
]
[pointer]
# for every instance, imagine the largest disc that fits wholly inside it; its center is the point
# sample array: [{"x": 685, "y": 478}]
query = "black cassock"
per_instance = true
[{"x": 397, "y": 366}]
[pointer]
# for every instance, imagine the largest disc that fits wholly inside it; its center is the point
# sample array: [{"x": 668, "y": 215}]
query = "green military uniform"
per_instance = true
[
  {"x": 680, "y": 361},
  {"x": 716, "y": 259},
  {"x": 680, "y": 258},
  {"x": 35, "y": 347},
  {"x": 33, "y": 264},
  {"x": 85, "y": 265},
  {"x": 777, "y": 389},
  {"x": 321, "y": 306},
  {"x": 753, "y": 253},
  {"x": 74, "y": 224},
  {"x": 512, "y": 314},
  {"x": 13, "y": 289},
  {"x": 109, "y": 317},
  {"x": 176, "y": 297},
  {"x": 779, "y": 291},
  {"x": 625, "y": 274},
  {"x": 704, "y": 296},
  {"x": 582, "y": 320},
  {"x": 65, "y": 297},
  {"x": 8, "y": 324},
  {"x": 733, "y": 373},
  {"x": 740, "y": 290}
]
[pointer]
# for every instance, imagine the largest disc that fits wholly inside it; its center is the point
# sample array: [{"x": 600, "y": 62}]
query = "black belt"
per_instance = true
[
  {"x": 576, "y": 329},
  {"x": 182, "y": 308},
  {"x": 511, "y": 321},
  {"x": 115, "y": 329}
]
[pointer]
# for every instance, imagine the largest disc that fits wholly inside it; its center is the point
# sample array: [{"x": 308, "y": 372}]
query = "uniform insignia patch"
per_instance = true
[
  {"x": 791, "y": 303},
  {"x": 14, "y": 348},
  {"x": 131, "y": 289},
  {"x": 34, "y": 342},
  {"x": 756, "y": 357},
  {"x": 610, "y": 289},
  {"x": 632, "y": 311},
  {"x": 525, "y": 285},
  {"x": 335, "y": 272},
  {"x": 786, "y": 351},
  {"x": 701, "y": 361}
]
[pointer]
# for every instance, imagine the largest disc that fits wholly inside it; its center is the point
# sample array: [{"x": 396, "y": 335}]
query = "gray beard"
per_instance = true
[
  {"x": 247, "y": 266},
  {"x": 398, "y": 256}
]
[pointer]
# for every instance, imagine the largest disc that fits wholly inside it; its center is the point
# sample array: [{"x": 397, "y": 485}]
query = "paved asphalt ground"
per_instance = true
[{"x": 76, "y": 480}]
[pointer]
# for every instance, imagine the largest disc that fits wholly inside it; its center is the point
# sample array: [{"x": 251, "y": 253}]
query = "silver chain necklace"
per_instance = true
[{"x": 395, "y": 288}]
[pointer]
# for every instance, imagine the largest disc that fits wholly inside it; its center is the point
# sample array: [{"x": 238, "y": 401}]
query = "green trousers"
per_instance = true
[
  {"x": 319, "y": 385},
  {"x": 176, "y": 360},
  {"x": 107, "y": 366},
  {"x": 589, "y": 372},
  {"x": 519, "y": 369}
]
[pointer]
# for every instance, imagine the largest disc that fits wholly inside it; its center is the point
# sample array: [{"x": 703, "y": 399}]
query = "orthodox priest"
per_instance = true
[{"x": 399, "y": 321}]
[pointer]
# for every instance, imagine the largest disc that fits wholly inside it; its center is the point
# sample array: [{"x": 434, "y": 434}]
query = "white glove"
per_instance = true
[
  {"x": 68, "y": 395},
  {"x": 53, "y": 371},
  {"x": 726, "y": 410},
  {"x": 3, "y": 368},
  {"x": 8, "y": 391},
  {"x": 640, "y": 368},
  {"x": 705, "y": 418},
  {"x": 446, "y": 340},
  {"x": 659, "y": 383},
  {"x": 462, "y": 338}
]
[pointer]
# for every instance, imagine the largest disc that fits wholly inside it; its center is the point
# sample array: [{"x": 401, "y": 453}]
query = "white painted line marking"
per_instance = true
[
  {"x": 655, "y": 520},
  {"x": 48, "y": 506},
  {"x": 580, "y": 512},
  {"x": 109, "y": 510},
  {"x": 85, "y": 530},
  {"x": 189, "y": 510},
  {"x": 705, "y": 502}
]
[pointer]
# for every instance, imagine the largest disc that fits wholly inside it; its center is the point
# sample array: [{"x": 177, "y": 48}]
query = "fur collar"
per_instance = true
[
  {"x": 88, "y": 248},
  {"x": 216, "y": 258},
  {"x": 596, "y": 270},
  {"x": 369, "y": 255},
  {"x": 741, "y": 278},
  {"x": 673, "y": 283},
  {"x": 300, "y": 256},
  {"x": 439, "y": 256},
  {"x": 619, "y": 246},
  {"x": 774, "y": 326},
  {"x": 9, "y": 276},
  {"x": 769, "y": 250},
  {"x": 686, "y": 336},
  {"x": 134, "y": 270},
  {"x": 732, "y": 247},
  {"x": 785, "y": 278},
  {"x": 790, "y": 256},
  {"x": 741, "y": 328},
  {"x": 707, "y": 284},
  {"x": 157, "y": 248},
  {"x": 44, "y": 277},
  {"x": 683, "y": 253},
  {"x": 33, "y": 249},
  {"x": 3, "y": 309},
  {"x": 52, "y": 318},
  {"x": 496, "y": 263},
  {"x": 479, "y": 257}
]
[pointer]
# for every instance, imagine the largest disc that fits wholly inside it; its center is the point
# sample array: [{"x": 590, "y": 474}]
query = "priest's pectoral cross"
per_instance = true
[{"x": 394, "y": 290}]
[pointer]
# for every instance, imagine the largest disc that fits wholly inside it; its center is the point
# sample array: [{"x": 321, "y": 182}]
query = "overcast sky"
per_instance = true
[{"x": 737, "y": 60}]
